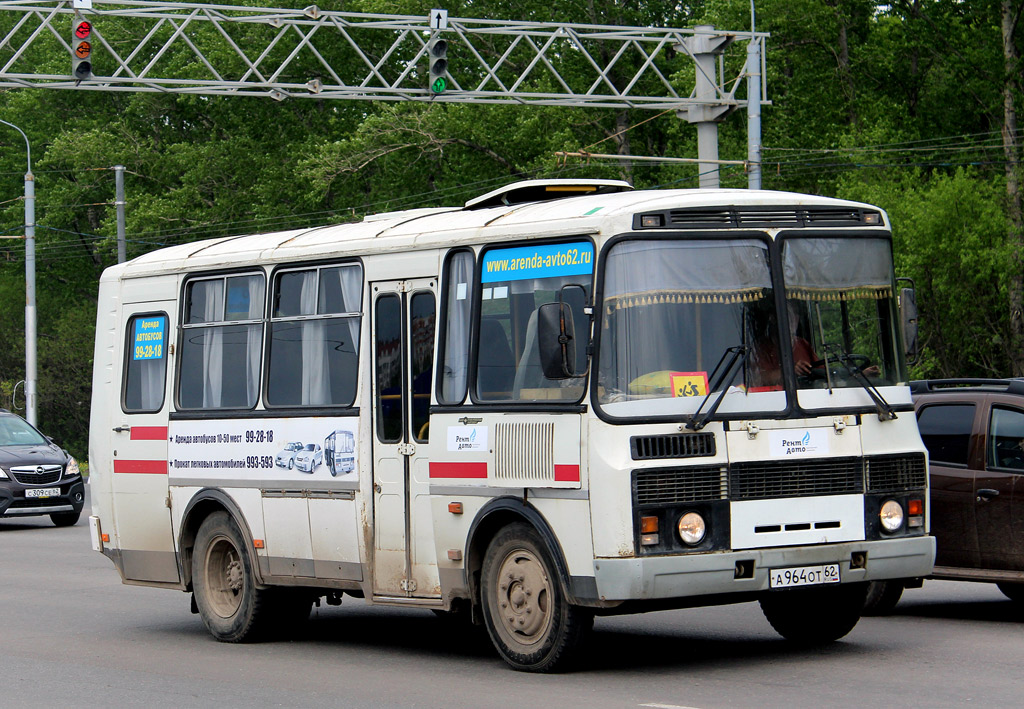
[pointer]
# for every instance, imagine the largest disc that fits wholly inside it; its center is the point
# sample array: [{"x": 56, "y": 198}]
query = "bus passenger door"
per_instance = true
[
  {"x": 139, "y": 483},
  {"x": 405, "y": 562}
]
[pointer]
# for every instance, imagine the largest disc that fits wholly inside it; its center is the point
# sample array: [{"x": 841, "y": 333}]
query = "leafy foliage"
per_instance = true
[{"x": 900, "y": 104}]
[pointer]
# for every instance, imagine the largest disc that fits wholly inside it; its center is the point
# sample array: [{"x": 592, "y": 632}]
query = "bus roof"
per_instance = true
[{"x": 609, "y": 211}]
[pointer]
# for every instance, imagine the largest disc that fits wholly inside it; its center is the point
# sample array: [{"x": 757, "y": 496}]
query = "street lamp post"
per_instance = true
[{"x": 30, "y": 283}]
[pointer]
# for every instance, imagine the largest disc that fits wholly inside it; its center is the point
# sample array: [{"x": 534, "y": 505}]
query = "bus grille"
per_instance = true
[
  {"x": 524, "y": 451},
  {"x": 893, "y": 473},
  {"x": 766, "y": 217},
  {"x": 674, "y": 445},
  {"x": 36, "y": 474},
  {"x": 665, "y": 486},
  {"x": 796, "y": 478},
  {"x": 773, "y": 479}
]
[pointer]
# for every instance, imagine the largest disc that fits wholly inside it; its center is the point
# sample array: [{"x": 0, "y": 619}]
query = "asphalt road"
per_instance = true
[{"x": 72, "y": 635}]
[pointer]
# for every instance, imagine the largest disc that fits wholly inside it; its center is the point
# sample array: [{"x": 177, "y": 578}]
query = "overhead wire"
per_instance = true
[{"x": 802, "y": 162}]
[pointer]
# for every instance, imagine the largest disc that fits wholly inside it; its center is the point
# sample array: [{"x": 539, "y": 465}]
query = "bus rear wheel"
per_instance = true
[
  {"x": 815, "y": 616},
  {"x": 231, "y": 606},
  {"x": 529, "y": 619}
]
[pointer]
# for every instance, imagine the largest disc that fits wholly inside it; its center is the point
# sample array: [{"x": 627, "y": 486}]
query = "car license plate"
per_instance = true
[
  {"x": 43, "y": 492},
  {"x": 803, "y": 576}
]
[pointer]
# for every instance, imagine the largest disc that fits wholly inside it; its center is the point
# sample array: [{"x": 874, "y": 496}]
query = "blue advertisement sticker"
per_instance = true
[
  {"x": 149, "y": 337},
  {"x": 541, "y": 261}
]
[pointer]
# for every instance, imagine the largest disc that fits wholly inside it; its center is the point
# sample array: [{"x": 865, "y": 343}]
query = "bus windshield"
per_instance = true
[
  {"x": 842, "y": 313},
  {"x": 673, "y": 311}
]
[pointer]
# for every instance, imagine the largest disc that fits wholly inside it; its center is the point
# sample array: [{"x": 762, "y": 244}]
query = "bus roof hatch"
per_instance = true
[{"x": 546, "y": 190}]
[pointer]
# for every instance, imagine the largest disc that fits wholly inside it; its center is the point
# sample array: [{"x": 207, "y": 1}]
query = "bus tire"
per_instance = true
[
  {"x": 883, "y": 596},
  {"x": 232, "y": 608},
  {"x": 530, "y": 621},
  {"x": 815, "y": 616}
]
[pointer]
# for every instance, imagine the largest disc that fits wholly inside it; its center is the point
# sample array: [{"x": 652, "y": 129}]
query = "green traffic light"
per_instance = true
[{"x": 439, "y": 85}]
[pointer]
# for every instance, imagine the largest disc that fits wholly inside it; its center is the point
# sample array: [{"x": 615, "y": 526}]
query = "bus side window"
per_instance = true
[
  {"x": 314, "y": 336},
  {"x": 222, "y": 342},
  {"x": 453, "y": 373},
  {"x": 422, "y": 343},
  {"x": 388, "y": 366},
  {"x": 146, "y": 365}
]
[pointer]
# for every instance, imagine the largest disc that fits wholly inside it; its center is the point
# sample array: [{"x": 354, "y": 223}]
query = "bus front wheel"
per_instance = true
[
  {"x": 529, "y": 619},
  {"x": 815, "y": 616},
  {"x": 231, "y": 606}
]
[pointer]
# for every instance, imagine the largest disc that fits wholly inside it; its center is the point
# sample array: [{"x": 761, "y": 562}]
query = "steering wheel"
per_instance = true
[{"x": 856, "y": 362}]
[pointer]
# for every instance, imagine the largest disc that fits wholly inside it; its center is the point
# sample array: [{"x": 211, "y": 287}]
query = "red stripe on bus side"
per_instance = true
[
  {"x": 149, "y": 433},
  {"x": 567, "y": 473},
  {"x": 149, "y": 467},
  {"x": 458, "y": 470}
]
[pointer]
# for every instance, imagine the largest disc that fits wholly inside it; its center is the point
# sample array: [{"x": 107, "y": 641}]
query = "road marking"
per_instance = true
[{"x": 666, "y": 706}]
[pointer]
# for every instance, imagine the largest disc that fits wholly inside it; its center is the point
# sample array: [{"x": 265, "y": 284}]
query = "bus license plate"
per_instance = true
[
  {"x": 43, "y": 492},
  {"x": 803, "y": 576}
]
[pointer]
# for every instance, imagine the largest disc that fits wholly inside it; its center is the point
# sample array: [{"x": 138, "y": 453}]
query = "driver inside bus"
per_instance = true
[{"x": 765, "y": 360}]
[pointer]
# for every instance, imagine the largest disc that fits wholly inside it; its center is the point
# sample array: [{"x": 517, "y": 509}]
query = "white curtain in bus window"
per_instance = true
[
  {"x": 454, "y": 372},
  {"x": 314, "y": 337},
  {"x": 837, "y": 269},
  {"x": 146, "y": 366},
  {"x": 223, "y": 327}
]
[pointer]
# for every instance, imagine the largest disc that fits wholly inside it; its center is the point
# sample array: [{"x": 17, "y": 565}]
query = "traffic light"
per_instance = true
[
  {"x": 437, "y": 54},
  {"x": 81, "y": 49}
]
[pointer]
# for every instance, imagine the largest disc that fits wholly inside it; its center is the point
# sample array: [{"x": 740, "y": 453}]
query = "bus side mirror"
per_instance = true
[
  {"x": 555, "y": 340},
  {"x": 908, "y": 314}
]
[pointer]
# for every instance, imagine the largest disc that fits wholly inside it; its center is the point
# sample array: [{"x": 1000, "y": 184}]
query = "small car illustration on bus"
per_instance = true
[
  {"x": 286, "y": 458},
  {"x": 309, "y": 458},
  {"x": 340, "y": 449}
]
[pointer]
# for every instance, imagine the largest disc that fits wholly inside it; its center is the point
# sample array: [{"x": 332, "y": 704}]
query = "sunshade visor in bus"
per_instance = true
[
  {"x": 837, "y": 269},
  {"x": 645, "y": 272}
]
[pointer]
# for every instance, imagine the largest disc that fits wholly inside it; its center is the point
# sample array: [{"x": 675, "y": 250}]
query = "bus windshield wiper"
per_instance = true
[
  {"x": 738, "y": 356},
  {"x": 885, "y": 410}
]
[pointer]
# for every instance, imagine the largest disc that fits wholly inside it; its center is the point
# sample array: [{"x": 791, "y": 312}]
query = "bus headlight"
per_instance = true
[
  {"x": 891, "y": 515},
  {"x": 692, "y": 528}
]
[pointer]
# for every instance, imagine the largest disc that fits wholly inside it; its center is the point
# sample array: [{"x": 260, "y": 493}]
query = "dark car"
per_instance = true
[
  {"x": 974, "y": 432},
  {"x": 37, "y": 477}
]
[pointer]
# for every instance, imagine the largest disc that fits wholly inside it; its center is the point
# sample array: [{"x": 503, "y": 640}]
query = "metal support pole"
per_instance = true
[
  {"x": 707, "y": 131},
  {"x": 705, "y": 46},
  {"x": 31, "y": 376},
  {"x": 754, "y": 115},
  {"x": 119, "y": 203},
  {"x": 30, "y": 283}
]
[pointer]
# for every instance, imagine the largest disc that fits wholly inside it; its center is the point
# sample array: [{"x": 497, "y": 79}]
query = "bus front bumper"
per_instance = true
[{"x": 682, "y": 575}]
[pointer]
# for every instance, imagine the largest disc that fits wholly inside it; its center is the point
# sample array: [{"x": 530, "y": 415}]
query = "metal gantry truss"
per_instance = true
[{"x": 234, "y": 50}]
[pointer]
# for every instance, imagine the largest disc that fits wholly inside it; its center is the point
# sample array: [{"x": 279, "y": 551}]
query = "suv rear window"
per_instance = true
[
  {"x": 946, "y": 431},
  {"x": 1006, "y": 439}
]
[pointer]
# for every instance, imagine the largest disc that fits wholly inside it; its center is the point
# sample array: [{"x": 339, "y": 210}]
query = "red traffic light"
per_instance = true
[{"x": 81, "y": 49}]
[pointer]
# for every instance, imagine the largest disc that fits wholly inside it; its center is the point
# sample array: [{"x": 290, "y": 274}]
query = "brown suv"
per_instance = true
[{"x": 974, "y": 432}]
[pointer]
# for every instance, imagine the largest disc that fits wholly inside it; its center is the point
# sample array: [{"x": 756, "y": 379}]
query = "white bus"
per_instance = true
[{"x": 566, "y": 398}]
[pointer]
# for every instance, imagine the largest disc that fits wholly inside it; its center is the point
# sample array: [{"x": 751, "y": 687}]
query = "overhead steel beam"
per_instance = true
[{"x": 232, "y": 50}]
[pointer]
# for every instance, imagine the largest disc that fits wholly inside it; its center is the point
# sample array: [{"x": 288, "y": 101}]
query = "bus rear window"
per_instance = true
[{"x": 146, "y": 364}]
